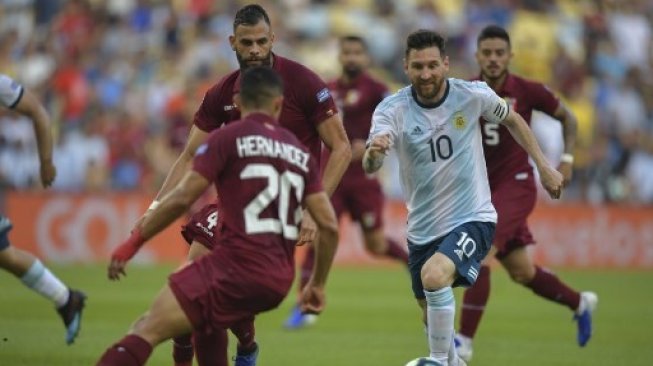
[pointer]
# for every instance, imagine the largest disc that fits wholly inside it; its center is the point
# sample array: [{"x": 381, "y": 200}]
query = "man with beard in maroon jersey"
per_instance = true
[
  {"x": 308, "y": 111},
  {"x": 514, "y": 193},
  {"x": 356, "y": 94},
  {"x": 251, "y": 267}
]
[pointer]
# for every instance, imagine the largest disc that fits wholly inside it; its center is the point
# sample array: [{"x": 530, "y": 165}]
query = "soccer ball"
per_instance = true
[{"x": 424, "y": 361}]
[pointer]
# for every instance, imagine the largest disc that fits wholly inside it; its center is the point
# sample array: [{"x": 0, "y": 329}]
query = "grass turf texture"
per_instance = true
[{"x": 371, "y": 320}]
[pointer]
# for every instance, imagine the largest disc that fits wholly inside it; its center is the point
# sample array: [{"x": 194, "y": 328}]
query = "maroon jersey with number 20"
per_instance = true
[{"x": 267, "y": 173}]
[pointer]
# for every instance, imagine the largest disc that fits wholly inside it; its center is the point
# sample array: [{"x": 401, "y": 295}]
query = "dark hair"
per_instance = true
[
  {"x": 493, "y": 31},
  {"x": 258, "y": 85},
  {"x": 250, "y": 15},
  {"x": 422, "y": 39},
  {"x": 353, "y": 38}
]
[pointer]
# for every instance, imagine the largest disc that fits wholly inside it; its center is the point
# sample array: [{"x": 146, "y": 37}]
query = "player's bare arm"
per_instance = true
[
  {"x": 357, "y": 149},
  {"x": 319, "y": 206},
  {"x": 171, "y": 207},
  {"x": 569, "y": 131},
  {"x": 335, "y": 139},
  {"x": 551, "y": 179},
  {"x": 333, "y": 135},
  {"x": 375, "y": 153},
  {"x": 32, "y": 108}
]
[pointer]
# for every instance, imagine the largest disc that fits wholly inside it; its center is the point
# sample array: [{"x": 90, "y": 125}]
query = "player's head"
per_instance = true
[
  {"x": 253, "y": 38},
  {"x": 261, "y": 89},
  {"x": 353, "y": 55},
  {"x": 493, "y": 52},
  {"x": 426, "y": 64}
]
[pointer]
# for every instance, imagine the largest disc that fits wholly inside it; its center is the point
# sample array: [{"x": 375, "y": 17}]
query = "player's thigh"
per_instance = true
[
  {"x": 513, "y": 203},
  {"x": 16, "y": 261},
  {"x": 165, "y": 319},
  {"x": 519, "y": 265}
]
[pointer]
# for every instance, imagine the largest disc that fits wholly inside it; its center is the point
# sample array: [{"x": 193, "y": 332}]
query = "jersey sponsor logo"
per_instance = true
[
  {"x": 323, "y": 95},
  {"x": 417, "y": 131},
  {"x": 459, "y": 121},
  {"x": 230, "y": 107}
]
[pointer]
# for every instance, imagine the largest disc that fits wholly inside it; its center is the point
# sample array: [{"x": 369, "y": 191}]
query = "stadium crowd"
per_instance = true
[{"x": 122, "y": 78}]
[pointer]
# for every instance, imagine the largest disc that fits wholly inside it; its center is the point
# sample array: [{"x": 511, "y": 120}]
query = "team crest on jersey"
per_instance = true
[
  {"x": 323, "y": 95},
  {"x": 352, "y": 97},
  {"x": 459, "y": 121}
]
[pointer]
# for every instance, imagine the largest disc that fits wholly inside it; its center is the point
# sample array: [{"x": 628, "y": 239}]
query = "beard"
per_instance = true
[
  {"x": 493, "y": 75},
  {"x": 428, "y": 91},
  {"x": 247, "y": 63},
  {"x": 351, "y": 71}
]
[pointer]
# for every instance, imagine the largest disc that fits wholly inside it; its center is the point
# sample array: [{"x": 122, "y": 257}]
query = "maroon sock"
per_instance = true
[
  {"x": 395, "y": 251},
  {"x": 129, "y": 351},
  {"x": 182, "y": 350},
  {"x": 307, "y": 267},
  {"x": 244, "y": 331},
  {"x": 549, "y": 286},
  {"x": 474, "y": 301},
  {"x": 211, "y": 348}
]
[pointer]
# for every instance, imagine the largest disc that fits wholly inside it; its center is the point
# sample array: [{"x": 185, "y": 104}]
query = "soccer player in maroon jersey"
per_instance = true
[
  {"x": 356, "y": 94},
  {"x": 251, "y": 267},
  {"x": 308, "y": 111},
  {"x": 514, "y": 193}
]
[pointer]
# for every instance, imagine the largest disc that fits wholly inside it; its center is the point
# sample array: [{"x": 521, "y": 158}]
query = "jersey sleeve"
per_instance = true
[
  {"x": 383, "y": 122},
  {"x": 211, "y": 115},
  {"x": 543, "y": 99},
  {"x": 210, "y": 157},
  {"x": 494, "y": 109},
  {"x": 10, "y": 91},
  {"x": 315, "y": 98}
]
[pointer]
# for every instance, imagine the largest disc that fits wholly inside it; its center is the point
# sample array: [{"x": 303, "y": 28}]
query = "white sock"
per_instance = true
[
  {"x": 41, "y": 280},
  {"x": 440, "y": 313},
  {"x": 453, "y": 354}
]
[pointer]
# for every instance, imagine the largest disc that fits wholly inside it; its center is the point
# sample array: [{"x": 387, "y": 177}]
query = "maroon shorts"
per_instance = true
[
  {"x": 202, "y": 226},
  {"x": 225, "y": 287},
  {"x": 514, "y": 200},
  {"x": 363, "y": 199}
]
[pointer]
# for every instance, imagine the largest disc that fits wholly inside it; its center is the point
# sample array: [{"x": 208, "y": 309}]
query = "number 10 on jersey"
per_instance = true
[{"x": 441, "y": 148}]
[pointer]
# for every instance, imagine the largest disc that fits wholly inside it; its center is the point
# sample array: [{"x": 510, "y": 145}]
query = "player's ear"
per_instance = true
[
  {"x": 446, "y": 63},
  {"x": 232, "y": 42},
  {"x": 405, "y": 66}
]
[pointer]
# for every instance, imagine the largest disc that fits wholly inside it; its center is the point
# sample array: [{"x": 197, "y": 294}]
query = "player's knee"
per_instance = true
[
  {"x": 520, "y": 275},
  {"x": 376, "y": 247},
  {"x": 434, "y": 277}
]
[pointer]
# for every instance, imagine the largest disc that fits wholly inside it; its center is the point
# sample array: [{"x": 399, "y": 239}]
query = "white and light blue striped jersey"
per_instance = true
[
  {"x": 10, "y": 91},
  {"x": 440, "y": 153}
]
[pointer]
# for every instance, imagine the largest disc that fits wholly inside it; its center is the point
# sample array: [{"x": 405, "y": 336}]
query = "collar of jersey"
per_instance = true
[{"x": 430, "y": 105}]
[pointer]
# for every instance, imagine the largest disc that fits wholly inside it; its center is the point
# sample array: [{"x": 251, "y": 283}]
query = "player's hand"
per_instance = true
[
  {"x": 552, "y": 181},
  {"x": 312, "y": 300},
  {"x": 122, "y": 254},
  {"x": 308, "y": 230},
  {"x": 566, "y": 169},
  {"x": 380, "y": 145},
  {"x": 48, "y": 173}
]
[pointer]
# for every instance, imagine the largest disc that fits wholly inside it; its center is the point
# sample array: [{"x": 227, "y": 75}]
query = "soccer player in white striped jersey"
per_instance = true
[{"x": 433, "y": 125}]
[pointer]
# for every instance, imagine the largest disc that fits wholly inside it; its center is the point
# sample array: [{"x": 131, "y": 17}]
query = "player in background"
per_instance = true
[
  {"x": 356, "y": 94},
  {"x": 514, "y": 193},
  {"x": 308, "y": 111},
  {"x": 22, "y": 264},
  {"x": 434, "y": 126},
  {"x": 251, "y": 267}
]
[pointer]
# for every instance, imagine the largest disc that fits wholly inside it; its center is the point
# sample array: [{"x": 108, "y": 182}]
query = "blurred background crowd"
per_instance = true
[{"x": 122, "y": 78}]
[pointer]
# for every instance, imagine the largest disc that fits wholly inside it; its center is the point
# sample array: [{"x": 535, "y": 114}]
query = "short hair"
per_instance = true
[
  {"x": 422, "y": 39},
  {"x": 250, "y": 15},
  {"x": 259, "y": 85},
  {"x": 493, "y": 31},
  {"x": 353, "y": 38}
]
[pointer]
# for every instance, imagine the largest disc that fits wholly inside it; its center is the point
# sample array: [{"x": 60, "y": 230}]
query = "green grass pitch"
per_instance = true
[{"x": 371, "y": 320}]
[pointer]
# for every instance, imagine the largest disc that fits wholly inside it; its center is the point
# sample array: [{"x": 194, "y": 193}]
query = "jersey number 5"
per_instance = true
[
  {"x": 278, "y": 186},
  {"x": 491, "y": 132}
]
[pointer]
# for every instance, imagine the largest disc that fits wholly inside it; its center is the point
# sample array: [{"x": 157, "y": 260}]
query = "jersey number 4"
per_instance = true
[{"x": 278, "y": 187}]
